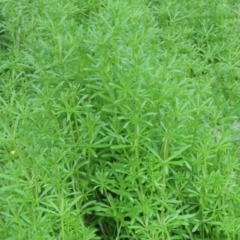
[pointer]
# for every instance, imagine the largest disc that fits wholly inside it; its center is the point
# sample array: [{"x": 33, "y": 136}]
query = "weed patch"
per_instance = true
[{"x": 119, "y": 120}]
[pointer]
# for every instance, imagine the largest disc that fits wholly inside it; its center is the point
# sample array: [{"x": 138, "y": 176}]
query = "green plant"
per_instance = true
[{"x": 116, "y": 120}]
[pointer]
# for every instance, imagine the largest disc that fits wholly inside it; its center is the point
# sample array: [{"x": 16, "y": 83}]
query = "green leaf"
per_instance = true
[{"x": 178, "y": 153}]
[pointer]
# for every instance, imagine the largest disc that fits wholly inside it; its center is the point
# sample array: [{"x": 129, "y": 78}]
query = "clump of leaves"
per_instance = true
[{"x": 116, "y": 123}]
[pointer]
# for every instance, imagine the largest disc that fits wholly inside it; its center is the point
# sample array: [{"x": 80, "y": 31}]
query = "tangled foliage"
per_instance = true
[{"x": 116, "y": 120}]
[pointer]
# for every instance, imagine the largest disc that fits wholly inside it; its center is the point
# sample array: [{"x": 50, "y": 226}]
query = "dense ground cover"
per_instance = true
[{"x": 117, "y": 119}]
